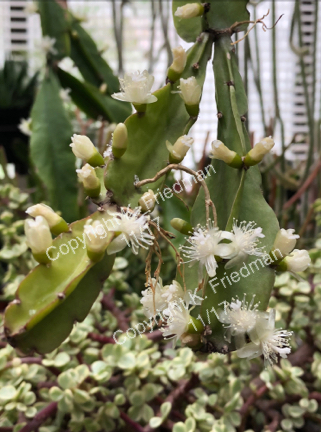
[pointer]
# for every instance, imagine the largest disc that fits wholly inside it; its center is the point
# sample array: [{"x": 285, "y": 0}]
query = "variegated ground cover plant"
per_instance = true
[{"x": 90, "y": 383}]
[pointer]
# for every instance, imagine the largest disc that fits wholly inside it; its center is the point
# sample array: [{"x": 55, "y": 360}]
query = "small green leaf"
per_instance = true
[
  {"x": 137, "y": 398},
  {"x": 7, "y": 393},
  {"x": 179, "y": 427},
  {"x": 165, "y": 409},
  {"x": 128, "y": 361},
  {"x": 155, "y": 422}
]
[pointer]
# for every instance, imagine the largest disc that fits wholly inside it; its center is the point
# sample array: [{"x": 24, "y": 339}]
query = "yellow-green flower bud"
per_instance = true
[
  {"x": 38, "y": 238},
  {"x": 56, "y": 223},
  {"x": 258, "y": 152},
  {"x": 97, "y": 239},
  {"x": 87, "y": 175},
  {"x": 182, "y": 226},
  {"x": 120, "y": 140},
  {"x": 147, "y": 201},
  {"x": 223, "y": 153},
  {"x": 297, "y": 261},
  {"x": 191, "y": 93},
  {"x": 179, "y": 62},
  {"x": 178, "y": 151},
  {"x": 84, "y": 149},
  {"x": 190, "y": 10}
]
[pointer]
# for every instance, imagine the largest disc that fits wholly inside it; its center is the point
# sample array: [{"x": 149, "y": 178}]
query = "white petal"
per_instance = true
[
  {"x": 120, "y": 96},
  {"x": 118, "y": 244},
  {"x": 249, "y": 351}
]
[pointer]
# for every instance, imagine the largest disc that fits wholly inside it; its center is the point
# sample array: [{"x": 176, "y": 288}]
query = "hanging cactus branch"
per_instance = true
[{"x": 233, "y": 246}]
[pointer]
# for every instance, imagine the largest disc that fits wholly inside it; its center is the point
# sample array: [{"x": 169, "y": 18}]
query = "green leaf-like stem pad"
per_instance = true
[
  {"x": 51, "y": 298},
  {"x": 166, "y": 119}
]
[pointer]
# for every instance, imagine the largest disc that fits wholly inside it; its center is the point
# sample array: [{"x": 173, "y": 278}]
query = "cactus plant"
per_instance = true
[{"x": 231, "y": 225}]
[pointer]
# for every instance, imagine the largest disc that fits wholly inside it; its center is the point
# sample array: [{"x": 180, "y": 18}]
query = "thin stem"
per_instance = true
[
  {"x": 41, "y": 417},
  {"x": 257, "y": 73},
  {"x": 208, "y": 202},
  {"x": 152, "y": 38}
]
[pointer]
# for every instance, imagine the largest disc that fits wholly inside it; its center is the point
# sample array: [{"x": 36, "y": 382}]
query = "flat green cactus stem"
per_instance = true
[
  {"x": 51, "y": 298},
  {"x": 166, "y": 119}
]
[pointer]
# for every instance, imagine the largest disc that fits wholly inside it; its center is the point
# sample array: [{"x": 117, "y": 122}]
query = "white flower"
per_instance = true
[
  {"x": 25, "y": 126},
  {"x": 174, "y": 292},
  {"x": 266, "y": 340},
  {"x": 64, "y": 95},
  {"x": 88, "y": 177},
  {"x": 190, "y": 91},
  {"x": 221, "y": 152},
  {"x": 31, "y": 8},
  {"x": 153, "y": 302},
  {"x": 136, "y": 88},
  {"x": 38, "y": 235},
  {"x": 285, "y": 241},
  {"x": 177, "y": 323},
  {"x": 189, "y": 10},
  {"x": 83, "y": 148},
  {"x": 179, "y": 61},
  {"x": 45, "y": 211},
  {"x": 239, "y": 318},
  {"x": 47, "y": 45},
  {"x": 178, "y": 151},
  {"x": 131, "y": 231},
  {"x": 96, "y": 237},
  {"x": 298, "y": 261},
  {"x": 245, "y": 241},
  {"x": 204, "y": 245},
  {"x": 258, "y": 152}
]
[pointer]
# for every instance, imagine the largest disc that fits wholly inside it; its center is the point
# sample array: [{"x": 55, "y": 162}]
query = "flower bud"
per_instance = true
[
  {"x": 38, "y": 238},
  {"x": 147, "y": 201},
  {"x": 190, "y": 10},
  {"x": 97, "y": 239},
  {"x": 87, "y": 175},
  {"x": 56, "y": 223},
  {"x": 285, "y": 241},
  {"x": 178, "y": 151},
  {"x": 120, "y": 140},
  {"x": 298, "y": 261},
  {"x": 191, "y": 94},
  {"x": 179, "y": 62},
  {"x": 182, "y": 226},
  {"x": 258, "y": 152},
  {"x": 84, "y": 149},
  {"x": 221, "y": 152},
  {"x": 191, "y": 340}
]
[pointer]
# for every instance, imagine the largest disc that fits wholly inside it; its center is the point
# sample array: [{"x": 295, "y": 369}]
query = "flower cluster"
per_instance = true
[
  {"x": 241, "y": 318},
  {"x": 173, "y": 302},
  {"x": 206, "y": 245}
]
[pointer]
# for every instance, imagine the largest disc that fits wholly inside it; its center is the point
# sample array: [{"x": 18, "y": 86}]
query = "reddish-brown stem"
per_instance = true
[
  {"x": 47, "y": 412},
  {"x": 176, "y": 394},
  {"x": 303, "y": 188},
  {"x": 135, "y": 426},
  {"x": 108, "y": 303}
]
